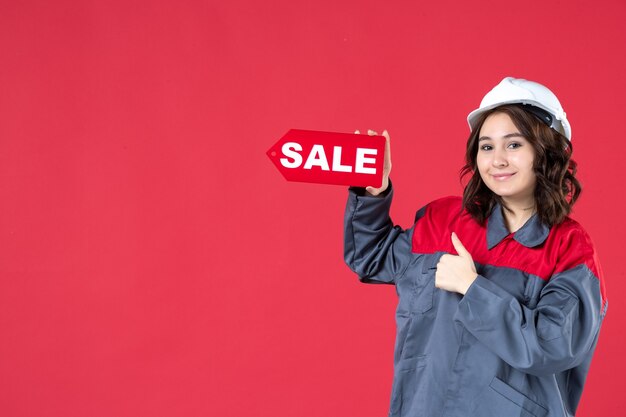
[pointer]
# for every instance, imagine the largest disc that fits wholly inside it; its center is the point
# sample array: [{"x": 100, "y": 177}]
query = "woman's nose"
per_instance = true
[{"x": 499, "y": 158}]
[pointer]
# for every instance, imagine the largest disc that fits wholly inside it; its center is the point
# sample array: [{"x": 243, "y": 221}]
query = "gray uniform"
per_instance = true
[{"x": 518, "y": 343}]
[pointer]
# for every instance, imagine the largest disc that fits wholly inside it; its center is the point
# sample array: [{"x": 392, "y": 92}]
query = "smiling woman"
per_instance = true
[
  {"x": 501, "y": 296},
  {"x": 505, "y": 164},
  {"x": 509, "y": 152}
]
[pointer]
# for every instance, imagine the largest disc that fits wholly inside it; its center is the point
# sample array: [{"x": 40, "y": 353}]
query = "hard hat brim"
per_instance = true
[{"x": 560, "y": 125}]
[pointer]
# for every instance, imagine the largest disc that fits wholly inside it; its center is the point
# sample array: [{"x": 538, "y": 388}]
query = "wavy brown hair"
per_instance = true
[{"x": 557, "y": 188}]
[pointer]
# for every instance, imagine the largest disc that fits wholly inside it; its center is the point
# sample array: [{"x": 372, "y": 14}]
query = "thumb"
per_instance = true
[{"x": 460, "y": 249}]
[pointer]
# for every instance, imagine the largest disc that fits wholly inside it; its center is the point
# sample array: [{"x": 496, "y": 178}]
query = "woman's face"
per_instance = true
[{"x": 505, "y": 160}]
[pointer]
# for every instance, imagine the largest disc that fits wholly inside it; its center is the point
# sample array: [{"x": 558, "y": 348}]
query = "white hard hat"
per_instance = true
[{"x": 536, "y": 96}]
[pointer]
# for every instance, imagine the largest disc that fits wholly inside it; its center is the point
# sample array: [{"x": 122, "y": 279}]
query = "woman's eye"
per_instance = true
[
  {"x": 514, "y": 145},
  {"x": 485, "y": 148}
]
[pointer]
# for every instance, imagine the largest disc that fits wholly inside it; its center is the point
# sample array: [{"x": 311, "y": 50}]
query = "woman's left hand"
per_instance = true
[{"x": 456, "y": 273}]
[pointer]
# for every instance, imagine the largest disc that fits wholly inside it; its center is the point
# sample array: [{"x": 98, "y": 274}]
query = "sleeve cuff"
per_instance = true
[{"x": 361, "y": 193}]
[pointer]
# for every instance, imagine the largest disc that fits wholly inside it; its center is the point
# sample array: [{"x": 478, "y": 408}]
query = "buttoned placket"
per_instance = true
[{"x": 452, "y": 403}]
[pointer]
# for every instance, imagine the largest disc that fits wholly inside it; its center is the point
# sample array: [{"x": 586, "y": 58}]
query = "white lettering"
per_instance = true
[
  {"x": 289, "y": 149},
  {"x": 337, "y": 161},
  {"x": 317, "y": 157},
  {"x": 362, "y": 160}
]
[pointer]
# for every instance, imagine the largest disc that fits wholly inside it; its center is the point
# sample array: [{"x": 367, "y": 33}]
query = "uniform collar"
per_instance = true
[{"x": 531, "y": 234}]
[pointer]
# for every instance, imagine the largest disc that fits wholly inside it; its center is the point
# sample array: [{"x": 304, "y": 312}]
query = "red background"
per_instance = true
[{"x": 153, "y": 262}]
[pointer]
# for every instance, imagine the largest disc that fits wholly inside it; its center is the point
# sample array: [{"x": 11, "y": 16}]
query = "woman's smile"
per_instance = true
[{"x": 502, "y": 177}]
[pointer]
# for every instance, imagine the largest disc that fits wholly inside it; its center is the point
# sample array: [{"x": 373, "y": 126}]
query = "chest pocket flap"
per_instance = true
[{"x": 424, "y": 291}]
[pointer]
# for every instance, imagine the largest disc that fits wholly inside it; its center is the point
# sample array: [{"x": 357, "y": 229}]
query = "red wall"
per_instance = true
[{"x": 153, "y": 262}]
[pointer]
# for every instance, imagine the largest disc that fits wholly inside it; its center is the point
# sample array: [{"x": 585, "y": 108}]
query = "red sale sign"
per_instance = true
[{"x": 329, "y": 158}]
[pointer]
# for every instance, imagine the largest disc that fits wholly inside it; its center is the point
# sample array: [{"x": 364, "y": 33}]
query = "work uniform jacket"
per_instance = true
[{"x": 518, "y": 343}]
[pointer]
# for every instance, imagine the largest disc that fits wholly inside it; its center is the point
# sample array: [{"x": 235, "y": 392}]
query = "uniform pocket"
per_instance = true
[
  {"x": 502, "y": 400},
  {"x": 425, "y": 286},
  {"x": 407, "y": 385}
]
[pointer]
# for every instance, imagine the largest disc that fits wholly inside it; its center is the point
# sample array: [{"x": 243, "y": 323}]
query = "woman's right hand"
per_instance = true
[{"x": 386, "y": 164}]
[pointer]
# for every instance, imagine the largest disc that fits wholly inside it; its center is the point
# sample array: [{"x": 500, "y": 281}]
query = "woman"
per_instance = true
[{"x": 501, "y": 296}]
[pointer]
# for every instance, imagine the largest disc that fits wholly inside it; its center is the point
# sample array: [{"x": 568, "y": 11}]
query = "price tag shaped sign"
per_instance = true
[{"x": 330, "y": 158}]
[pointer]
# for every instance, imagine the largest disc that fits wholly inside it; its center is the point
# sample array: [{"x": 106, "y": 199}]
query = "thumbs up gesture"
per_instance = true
[{"x": 456, "y": 273}]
